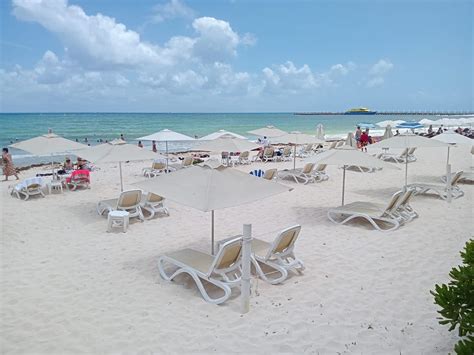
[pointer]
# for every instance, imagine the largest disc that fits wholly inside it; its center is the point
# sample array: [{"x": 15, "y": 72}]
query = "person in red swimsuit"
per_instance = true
[{"x": 364, "y": 140}]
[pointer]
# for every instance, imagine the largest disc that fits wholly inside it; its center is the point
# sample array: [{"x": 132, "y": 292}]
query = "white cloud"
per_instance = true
[
  {"x": 376, "y": 81},
  {"x": 171, "y": 10},
  {"x": 381, "y": 67}
]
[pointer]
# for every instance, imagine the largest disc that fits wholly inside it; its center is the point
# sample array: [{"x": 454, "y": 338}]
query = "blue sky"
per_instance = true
[{"x": 235, "y": 56}]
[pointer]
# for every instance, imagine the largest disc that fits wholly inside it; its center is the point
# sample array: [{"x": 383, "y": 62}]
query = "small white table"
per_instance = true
[
  {"x": 118, "y": 219},
  {"x": 55, "y": 185}
]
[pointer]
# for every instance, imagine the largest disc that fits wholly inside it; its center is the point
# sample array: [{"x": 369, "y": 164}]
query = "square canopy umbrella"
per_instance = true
[
  {"x": 116, "y": 151},
  {"x": 166, "y": 136},
  {"x": 408, "y": 141},
  {"x": 297, "y": 138},
  {"x": 48, "y": 144},
  {"x": 347, "y": 156},
  {"x": 210, "y": 188},
  {"x": 219, "y": 134},
  {"x": 268, "y": 131}
]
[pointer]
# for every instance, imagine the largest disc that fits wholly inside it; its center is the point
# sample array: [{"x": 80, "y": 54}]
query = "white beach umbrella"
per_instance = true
[
  {"x": 268, "y": 131},
  {"x": 388, "y": 132},
  {"x": 226, "y": 144},
  {"x": 350, "y": 140},
  {"x": 408, "y": 141},
  {"x": 320, "y": 132},
  {"x": 297, "y": 138},
  {"x": 166, "y": 136},
  {"x": 48, "y": 144},
  {"x": 452, "y": 138},
  {"x": 219, "y": 134},
  {"x": 208, "y": 189},
  {"x": 116, "y": 151},
  {"x": 347, "y": 156}
]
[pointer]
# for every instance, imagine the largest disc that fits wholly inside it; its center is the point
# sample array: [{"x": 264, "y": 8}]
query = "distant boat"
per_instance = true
[{"x": 360, "y": 111}]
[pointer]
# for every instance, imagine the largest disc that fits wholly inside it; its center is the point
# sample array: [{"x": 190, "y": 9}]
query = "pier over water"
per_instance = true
[{"x": 392, "y": 113}]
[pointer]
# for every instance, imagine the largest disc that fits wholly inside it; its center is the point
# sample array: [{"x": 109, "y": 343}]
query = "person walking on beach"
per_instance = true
[
  {"x": 364, "y": 140},
  {"x": 153, "y": 147},
  {"x": 357, "y": 135},
  {"x": 8, "y": 167}
]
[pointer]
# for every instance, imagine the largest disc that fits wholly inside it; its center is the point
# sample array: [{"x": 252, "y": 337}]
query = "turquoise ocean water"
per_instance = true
[{"x": 107, "y": 126}]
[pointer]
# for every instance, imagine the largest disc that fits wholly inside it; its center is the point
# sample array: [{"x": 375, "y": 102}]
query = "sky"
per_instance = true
[{"x": 235, "y": 55}]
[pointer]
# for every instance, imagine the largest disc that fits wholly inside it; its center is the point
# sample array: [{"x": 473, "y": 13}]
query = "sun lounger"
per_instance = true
[
  {"x": 244, "y": 158},
  {"x": 440, "y": 190},
  {"x": 403, "y": 208},
  {"x": 374, "y": 213},
  {"x": 270, "y": 174},
  {"x": 285, "y": 155},
  {"x": 360, "y": 169},
  {"x": 397, "y": 158},
  {"x": 278, "y": 255},
  {"x": 319, "y": 173},
  {"x": 222, "y": 270},
  {"x": 303, "y": 175},
  {"x": 128, "y": 201},
  {"x": 78, "y": 178},
  {"x": 157, "y": 168},
  {"x": 466, "y": 178},
  {"x": 29, "y": 187},
  {"x": 268, "y": 154},
  {"x": 153, "y": 204}
]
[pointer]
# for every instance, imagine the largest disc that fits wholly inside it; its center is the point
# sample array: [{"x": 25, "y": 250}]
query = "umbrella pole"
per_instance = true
[
  {"x": 121, "y": 179},
  {"x": 343, "y": 182},
  {"x": 212, "y": 232},
  {"x": 447, "y": 159},
  {"x": 245, "y": 281},
  {"x": 166, "y": 156},
  {"x": 406, "y": 171},
  {"x": 294, "y": 158}
]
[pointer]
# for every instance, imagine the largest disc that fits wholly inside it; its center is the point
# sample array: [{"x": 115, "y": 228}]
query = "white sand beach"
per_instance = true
[{"x": 68, "y": 286}]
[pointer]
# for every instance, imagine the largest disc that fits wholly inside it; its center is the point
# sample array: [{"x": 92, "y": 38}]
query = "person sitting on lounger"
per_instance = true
[{"x": 68, "y": 164}]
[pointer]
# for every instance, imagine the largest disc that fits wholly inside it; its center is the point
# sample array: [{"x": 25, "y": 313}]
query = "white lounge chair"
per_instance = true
[
  {"x": 223, "y": 270},
  {"x": 403, "y": 207},
  {"x": 360, "y": 169},
  {"x": 395, "y": 158},
  {"x": 319, "y": 172},
  {"x": 440, "y": 190},
  {"x": 270, "y": 174},
  {"x": 128, "y": 201},
  {"x": 372, "y": 212},
  {"x": 153, "y": 204},
  {"x": 157, "y": 168},
  {"x": 244, "y": 158},
  {"x": 285, "y": 155},
  {"x": 303, "y": 175},
  {"x": 29, "y": 187},
  {"x": 268, "y": 154},
  {"x": 278, "y": 255}
]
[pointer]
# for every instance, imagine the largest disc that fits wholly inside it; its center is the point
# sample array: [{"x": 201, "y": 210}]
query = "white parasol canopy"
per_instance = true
[
  {"x": 297, "y": 138},
  {"x": 208, "y": 189},
  {"x": 48, "y": 144},
  {"x": 408, "y": 141},
  {"x": 388, "y": 132},
  {"x": 350, "y": 140},
  {"x": 226, "y": 144},
  {"x": 347, "y": 156},
  {"x": 268, "y": 131},
  {"x": 452, "y": 138},
  {"x": 320, "y": 132},
  {"x": 219, "y": 134},
  {"x": 166, "y": 135},
  {"x": 116, "y": 151}
]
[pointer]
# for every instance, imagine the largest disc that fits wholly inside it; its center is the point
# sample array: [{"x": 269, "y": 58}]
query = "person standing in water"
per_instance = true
[
  {"x": 357, "y": 135},
  {"x": 140, "y": 145},
  {"x": 8, "y": 167}
]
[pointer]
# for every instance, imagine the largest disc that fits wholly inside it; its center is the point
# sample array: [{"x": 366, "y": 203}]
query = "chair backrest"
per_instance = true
[
  {"x": 404, "y": 153},
  {"x": 285, "y": 241},
  {"x": 333, "y": 145},
  {"x": 268, "y": 152},
  {"x": 153, "y": 198},
  {"x": 456, "y": 178},
  {"x": 308, "y": 148},
  {"x": 340, "y": 144},
  {"x": 158, "y": 165},
  {"x": 405, "y": 198},
  {"x": 228, "y": 256},
  {"x": 411, "y": 151},
  {"x": 80, "y": 175},
  {"x": 224, "y": 155},
  {"x": 286, "y": 151},
  {"x": 32, "y": 187},
  {"x": 244, "y": 155},
  {"x": 472, "y": 150},
  {"x": 307, "y": 168},
  {"x": 129, "y": 199},
  {"x": 320, "y": 168},
  {"x": 188, "y": 161},
  {"x": 270, "y": 174},
  {"x": 392, "y": 204}
]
